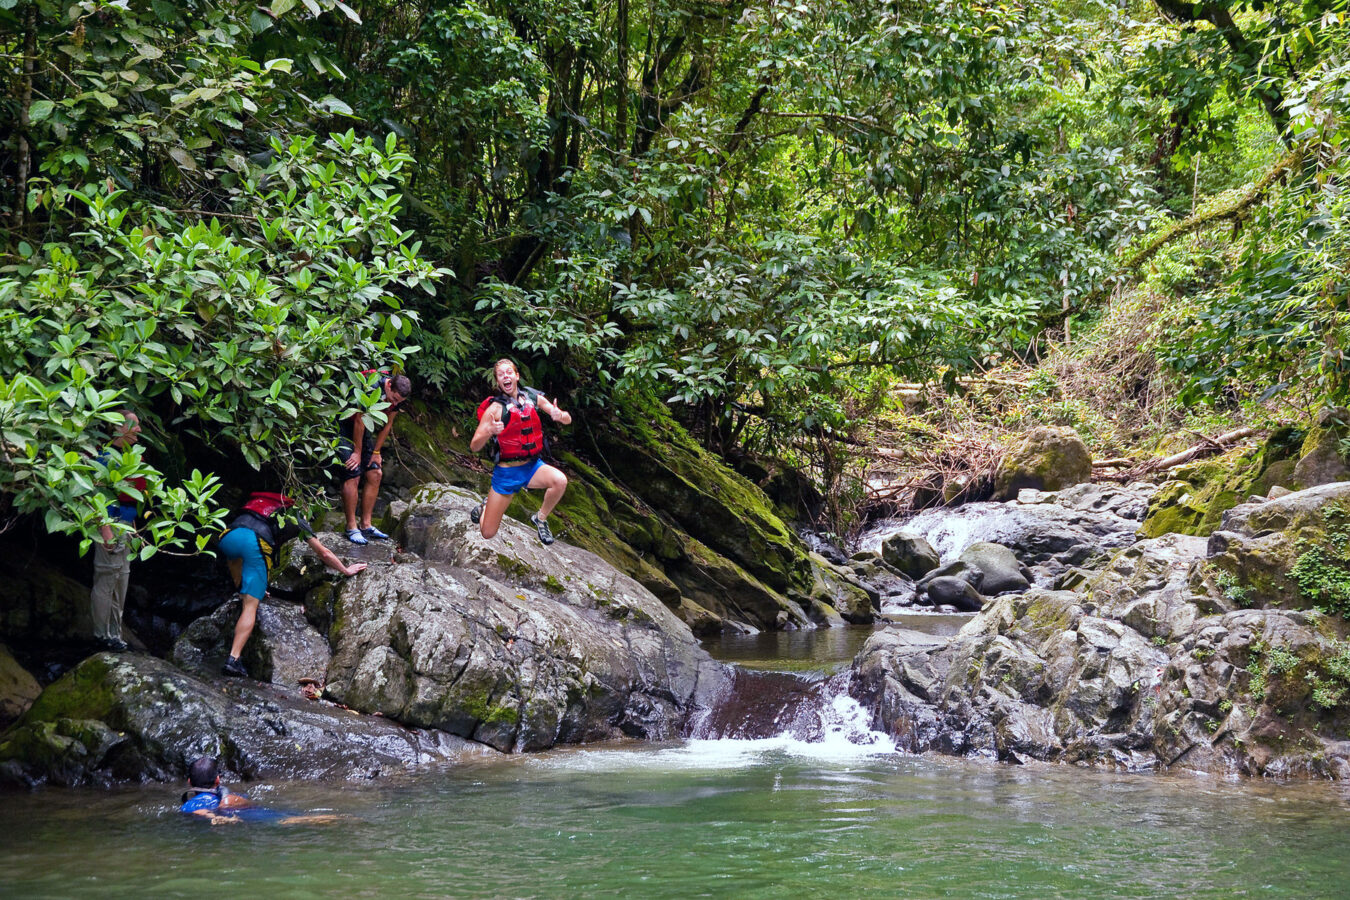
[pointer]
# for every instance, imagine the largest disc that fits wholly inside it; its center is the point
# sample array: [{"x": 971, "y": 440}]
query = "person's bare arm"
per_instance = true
[
  {"x": 488, "y": 427},
  {"x": 331, "y": 560},
  {"x": 560, "y": 416}
]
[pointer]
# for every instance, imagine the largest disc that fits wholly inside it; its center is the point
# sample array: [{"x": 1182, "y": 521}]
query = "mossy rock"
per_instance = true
[
  {"x": 1194, "y": 501},
  {"x": 41, "y": 603},
  {"x": 1325, "y": 452},
  {"x": 1046, "y": 459},
  {"x": 657, "y": 461},
  {"x": 18, "y": 689}
]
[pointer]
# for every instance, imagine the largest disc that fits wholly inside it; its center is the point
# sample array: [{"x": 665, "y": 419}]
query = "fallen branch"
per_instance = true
[
  {"x": 1119, "y": 462},
  {"x": 1206, "y": 447},
  {"x": 967, "y": 381}
]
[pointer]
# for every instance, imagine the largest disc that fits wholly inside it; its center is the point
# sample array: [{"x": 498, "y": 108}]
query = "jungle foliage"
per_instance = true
[{"x": 219, "y": 212}]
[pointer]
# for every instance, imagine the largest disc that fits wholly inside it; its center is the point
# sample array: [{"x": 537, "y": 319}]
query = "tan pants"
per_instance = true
[{"x": 112, "y": 572}]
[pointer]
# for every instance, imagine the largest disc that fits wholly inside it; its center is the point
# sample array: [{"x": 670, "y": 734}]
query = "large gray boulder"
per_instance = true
[
  {"x": 1146, "y": 664},
  {"x": 511, "y": 643},
  {"x": 949, "y": 590},
  {"x": 909, "y": 553},
  {"x": 998, "y": 566},
  {"x": 1047, "y": 459},
  {"x": 131, "y": 717}
]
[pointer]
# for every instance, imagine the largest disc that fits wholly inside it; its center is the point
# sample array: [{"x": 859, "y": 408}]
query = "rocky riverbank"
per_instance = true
[
  {"x": 449, "y": 646},
  {"x": 1221, "y": 654}
]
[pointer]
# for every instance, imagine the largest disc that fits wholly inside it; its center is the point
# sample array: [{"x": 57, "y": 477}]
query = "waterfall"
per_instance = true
[{"x": 788, "y": 713}]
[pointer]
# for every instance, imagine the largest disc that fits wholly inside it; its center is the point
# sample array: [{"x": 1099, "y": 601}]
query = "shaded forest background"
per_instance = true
[{"x": 776, "y": 218}]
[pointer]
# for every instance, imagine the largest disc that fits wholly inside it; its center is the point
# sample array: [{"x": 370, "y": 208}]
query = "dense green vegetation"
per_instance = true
[{"x": 217, "y": 213}]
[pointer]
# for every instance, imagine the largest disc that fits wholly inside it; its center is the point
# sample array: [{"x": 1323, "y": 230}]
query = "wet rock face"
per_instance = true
[
  {"x": 131, "y": 717},
  {"x": 283, "y": 649},
  {"x": 1255, "y": 556},
  {"x": 1149, "y": 661},
  {"x": 510, "y": 643},
  {"x": 1047, "y": 459}
]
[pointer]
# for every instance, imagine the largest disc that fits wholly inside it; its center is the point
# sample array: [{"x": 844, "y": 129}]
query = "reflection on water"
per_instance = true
[
  {"x": 715, "y": 818},
  {"x": 822, "y": 649}
]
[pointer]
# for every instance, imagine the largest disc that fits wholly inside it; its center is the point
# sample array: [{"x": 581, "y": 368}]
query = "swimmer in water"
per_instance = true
[{"x": 208, "y": 798}]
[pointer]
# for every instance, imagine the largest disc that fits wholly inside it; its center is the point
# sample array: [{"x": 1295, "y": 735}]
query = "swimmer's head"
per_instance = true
[{"x": 204, "y": 772}]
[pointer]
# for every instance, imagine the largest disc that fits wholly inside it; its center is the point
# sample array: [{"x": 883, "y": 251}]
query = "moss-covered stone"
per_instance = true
[
  {"x": 1324, "y": 456},
  {"x": 1198, "y": 495},
  {"x": 660, "y": 463},
  {"x": 1046, "y": 459},
  {"x": 18, "y": 689}
]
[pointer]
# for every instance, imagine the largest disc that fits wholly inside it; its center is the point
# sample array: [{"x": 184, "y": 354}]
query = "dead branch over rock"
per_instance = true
[{"x": 1206, "y": 447}]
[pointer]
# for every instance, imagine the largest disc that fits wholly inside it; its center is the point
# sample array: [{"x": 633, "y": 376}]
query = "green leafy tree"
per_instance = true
[{"x": 246, "y": 331}]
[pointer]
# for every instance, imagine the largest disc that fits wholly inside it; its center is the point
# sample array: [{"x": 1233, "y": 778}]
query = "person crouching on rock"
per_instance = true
[
  {"x": 252, "y": 545},
  {"x": 510, "y": 421}
]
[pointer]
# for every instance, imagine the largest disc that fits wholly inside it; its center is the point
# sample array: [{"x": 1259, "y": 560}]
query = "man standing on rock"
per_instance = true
[
  {"x": 362, "y": 464},
  {"x": 112, "y": 555},
  {"x": 251, "y": 546},
  {"x": 510, "y": 421}
]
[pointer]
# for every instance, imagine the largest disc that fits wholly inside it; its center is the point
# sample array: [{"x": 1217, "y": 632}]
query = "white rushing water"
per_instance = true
[{"x": 839, "y": 733}]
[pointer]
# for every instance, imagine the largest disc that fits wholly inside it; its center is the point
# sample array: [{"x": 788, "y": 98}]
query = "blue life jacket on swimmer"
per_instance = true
[{"x": 197, "y": 799}]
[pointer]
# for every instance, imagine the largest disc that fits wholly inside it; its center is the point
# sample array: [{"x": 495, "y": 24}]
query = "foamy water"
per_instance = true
[{"x": 845, "y": 735}]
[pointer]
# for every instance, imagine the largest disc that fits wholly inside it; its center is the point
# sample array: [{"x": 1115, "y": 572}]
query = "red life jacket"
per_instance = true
[
  {"x": 523, "y": 436},
  {"x": 267, "y": 504},
  {"x": 138, "y": 482}
]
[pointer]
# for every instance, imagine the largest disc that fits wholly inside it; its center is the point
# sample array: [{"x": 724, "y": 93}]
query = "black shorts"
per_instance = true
[{"x": 346, "y": 449}]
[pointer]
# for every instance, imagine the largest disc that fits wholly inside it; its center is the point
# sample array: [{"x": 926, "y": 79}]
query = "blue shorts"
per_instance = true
[
  {"x": 507, "y": 480},
  {"x": 242, "y": 544}
]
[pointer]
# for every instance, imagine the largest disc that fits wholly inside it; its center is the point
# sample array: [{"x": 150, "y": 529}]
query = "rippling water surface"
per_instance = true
[
  {"x": 780, "y": 817},
  {"x": 768, "y": 818}
]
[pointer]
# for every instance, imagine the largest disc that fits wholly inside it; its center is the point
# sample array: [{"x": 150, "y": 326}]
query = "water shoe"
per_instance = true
[
  {"x": 542, "y": 526},
  {"x": 477, "y": 512},
  {"x": 374, "y": 533},
  {"x": 356, "y": 537},
  {"x": 234, "y": 668}
]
